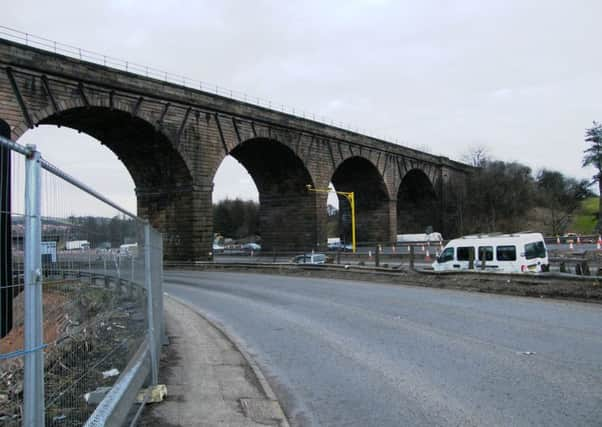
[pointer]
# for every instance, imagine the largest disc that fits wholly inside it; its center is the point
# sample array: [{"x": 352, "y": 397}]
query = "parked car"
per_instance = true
[
  {"x": 338, "y": 246},
  {"x": 128, "y": 250},
  {"x": 433, "y": 237},
  {"x": 315, "y": 258},
  {"x": 251, "y": 247}
]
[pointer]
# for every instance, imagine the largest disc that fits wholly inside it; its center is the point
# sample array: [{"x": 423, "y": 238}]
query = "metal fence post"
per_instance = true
[
  {"x": 164, "y": 339},
  {"x": 148, "y": 284},
  {"x": 90, "y": 266},
  {"x": 33, "y": 389},
  {"x": 131, "y": 269},
  {"x": 104, "y": 269},
  {"x": 6, "y": 270}
]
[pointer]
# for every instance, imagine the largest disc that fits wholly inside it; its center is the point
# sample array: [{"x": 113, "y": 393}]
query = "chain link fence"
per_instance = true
[{"x": 81, "y": 298}]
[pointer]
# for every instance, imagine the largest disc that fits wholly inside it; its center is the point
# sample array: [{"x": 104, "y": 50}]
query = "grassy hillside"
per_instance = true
[{"x": 584, "y": 219}]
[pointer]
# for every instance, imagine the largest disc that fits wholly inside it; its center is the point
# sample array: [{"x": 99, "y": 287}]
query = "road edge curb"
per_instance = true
[{"x": 265, "y": 386}]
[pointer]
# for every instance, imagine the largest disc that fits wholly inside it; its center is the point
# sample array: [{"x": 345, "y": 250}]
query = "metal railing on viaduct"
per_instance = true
[
  {"x": 80, "y": 328},
  {"x": 169, "y": 77}
]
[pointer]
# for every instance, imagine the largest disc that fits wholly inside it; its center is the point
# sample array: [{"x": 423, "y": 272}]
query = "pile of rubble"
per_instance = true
[{"x": 94, "y": 333}]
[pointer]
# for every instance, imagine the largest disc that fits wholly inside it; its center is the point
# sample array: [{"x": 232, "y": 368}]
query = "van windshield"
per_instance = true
[
  {"x": 447, "y": 255},
  {"x": 535, "y": 250}
]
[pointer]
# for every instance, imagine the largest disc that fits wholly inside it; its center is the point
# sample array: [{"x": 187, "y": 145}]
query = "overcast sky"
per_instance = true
[{"x": 523, "y": 78}]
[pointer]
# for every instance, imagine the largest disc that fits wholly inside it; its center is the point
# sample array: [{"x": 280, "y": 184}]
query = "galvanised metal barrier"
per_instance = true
[
  {"x": 80, "y": 299},
  {"x": 396, "y": 254}
]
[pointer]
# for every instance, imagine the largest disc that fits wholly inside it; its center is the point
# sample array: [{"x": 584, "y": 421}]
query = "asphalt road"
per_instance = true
[{"x": 341, "y": 353}]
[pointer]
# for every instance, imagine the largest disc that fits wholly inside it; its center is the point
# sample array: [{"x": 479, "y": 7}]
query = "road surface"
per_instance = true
[{"x": 342, "y": 353}]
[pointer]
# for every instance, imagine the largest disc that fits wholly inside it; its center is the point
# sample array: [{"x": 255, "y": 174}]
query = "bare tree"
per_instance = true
[{"x": 477, "y": 156}]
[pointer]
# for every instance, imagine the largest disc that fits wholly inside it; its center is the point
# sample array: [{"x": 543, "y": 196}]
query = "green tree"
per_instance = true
[
  {"x": 593, "y": 157},
  {"x": 236, "y": 218},
  {"x": 561, "y": 196},
  {"x": 498, "y": 197}
]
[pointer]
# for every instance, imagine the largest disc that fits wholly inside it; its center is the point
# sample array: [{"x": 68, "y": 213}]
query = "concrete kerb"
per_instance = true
[{"x": 265, "y": 386}]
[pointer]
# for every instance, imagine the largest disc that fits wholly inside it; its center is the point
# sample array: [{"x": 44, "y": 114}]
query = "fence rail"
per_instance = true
[{"x": 81, "y": 298}]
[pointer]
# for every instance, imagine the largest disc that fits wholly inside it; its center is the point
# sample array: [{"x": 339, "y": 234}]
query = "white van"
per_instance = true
[
  {"x": 419, "y": 238},
  {"x": 504, "y": 253}
]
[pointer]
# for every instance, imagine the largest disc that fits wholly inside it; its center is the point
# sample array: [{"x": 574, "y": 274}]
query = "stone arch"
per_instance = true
[
  {"x": 417, "y": 203},
  {"x": 372, "y": 200},
  {"x": 287, "y": 214},
  {"x": 161, "y": 174}
]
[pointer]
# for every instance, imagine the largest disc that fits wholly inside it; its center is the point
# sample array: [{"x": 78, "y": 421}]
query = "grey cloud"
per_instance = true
[{"x": 522, "y": 77}]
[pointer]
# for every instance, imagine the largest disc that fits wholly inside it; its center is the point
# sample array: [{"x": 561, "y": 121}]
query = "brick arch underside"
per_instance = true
[
  {"x": 161, "y": 175},
  {"x": 359, "y": 175},
  {"x": 287, "y": 214},
  {"x": 417, "y": 204}
]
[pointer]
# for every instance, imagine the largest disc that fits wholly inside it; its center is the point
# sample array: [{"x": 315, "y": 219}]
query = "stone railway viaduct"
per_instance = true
[{"x": 172, "y": 139}]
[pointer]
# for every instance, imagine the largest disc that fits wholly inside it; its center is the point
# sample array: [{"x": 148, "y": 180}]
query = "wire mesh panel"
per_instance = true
[
  {"x": 94, "y": 299},
  {"x": 12, "y": 313},
  {"x": 96, "y": 302}
]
